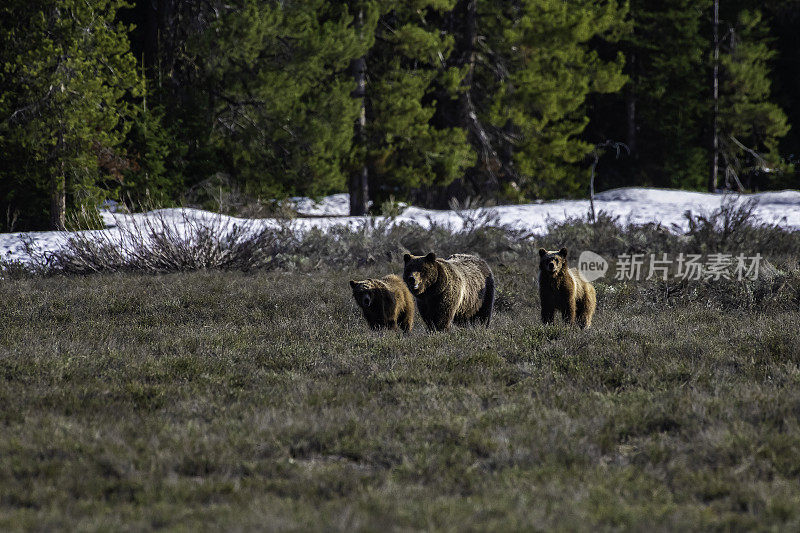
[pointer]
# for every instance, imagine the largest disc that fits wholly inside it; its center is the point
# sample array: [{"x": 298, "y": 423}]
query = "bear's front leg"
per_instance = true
[
  {"x": 449, "y": 320},
  {"x": 548, "y": 310},
  {"x": 406, "y": 323},
  {"x": 430, "y": 323},
  {"x": 440, "y": 324},
  {"x": 443, "y": 321},
  {"x": 569, "y": 312}
]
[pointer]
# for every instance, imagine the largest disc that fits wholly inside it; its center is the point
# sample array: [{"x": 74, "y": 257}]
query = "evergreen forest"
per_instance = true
[{"x": 176, "y": 102}]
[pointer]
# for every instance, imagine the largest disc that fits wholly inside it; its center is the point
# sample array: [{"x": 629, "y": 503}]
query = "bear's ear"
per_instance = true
[
  {"x": 563, "y": 253},
  {"x": 352, "y": 283},
  {"x": 406, "y": 258},
  {"x": 542, "y": 252},
  {"x": 430, "y": 258}
]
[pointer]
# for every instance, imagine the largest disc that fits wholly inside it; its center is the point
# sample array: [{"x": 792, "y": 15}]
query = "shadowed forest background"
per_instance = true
[{"x": 228, "y": 105}]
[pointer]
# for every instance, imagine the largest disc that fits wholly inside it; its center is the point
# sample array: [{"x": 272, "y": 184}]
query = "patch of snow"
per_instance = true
[
  {"x": 778, "y": 197},
  {"x": 631, "y": 205},
  {"x": 336, "y": 205}
]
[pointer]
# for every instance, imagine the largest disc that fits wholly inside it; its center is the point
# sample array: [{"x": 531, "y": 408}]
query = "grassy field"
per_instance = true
[{"x": 221, "y": 400}]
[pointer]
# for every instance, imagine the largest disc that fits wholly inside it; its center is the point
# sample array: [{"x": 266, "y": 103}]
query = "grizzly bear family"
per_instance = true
[{"x": 460, "y": 289}]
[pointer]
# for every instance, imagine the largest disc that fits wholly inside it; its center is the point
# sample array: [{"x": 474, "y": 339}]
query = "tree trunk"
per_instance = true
[
  {"x": 630, "y": 111},
  {"x": 468, "y": 116},
  {"x": 630, "y": 107},
  {"x": 469, "y": 36},
  {"x": 58, "y": 199},
  {"x": 359, "y": 185},
  {"x": 714, "y": 178},
  {"x": 150, "y": 44}
]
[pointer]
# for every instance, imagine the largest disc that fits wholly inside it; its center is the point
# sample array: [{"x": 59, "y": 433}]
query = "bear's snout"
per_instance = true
[
  {"x": 551, "y": 266},
  {"x": 366, "y": 300}
]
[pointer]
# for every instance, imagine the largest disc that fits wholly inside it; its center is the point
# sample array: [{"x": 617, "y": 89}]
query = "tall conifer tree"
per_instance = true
[
  {"x": 276, "y": 80},
  {"x": 410, "y": 78},
  {"x": 750, "y": 123},
  {"x": 67, "y": 80}
]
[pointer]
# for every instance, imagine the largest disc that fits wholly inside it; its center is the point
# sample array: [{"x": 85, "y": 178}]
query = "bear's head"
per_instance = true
[
  {"x": 364, "y": 292},
  {"x": 420, "y": 272},
  {"x": 552, "y": 263}
]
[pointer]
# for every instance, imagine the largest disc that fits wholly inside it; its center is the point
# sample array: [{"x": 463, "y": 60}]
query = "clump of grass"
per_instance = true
[{"x": 772, "y": 289}]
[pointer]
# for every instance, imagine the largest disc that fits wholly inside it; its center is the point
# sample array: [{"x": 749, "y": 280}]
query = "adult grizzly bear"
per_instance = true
[
  {"x": 564, "y": 289},
  {"x": 386, "y": 302},
  {"x": 459, "y": 288}
]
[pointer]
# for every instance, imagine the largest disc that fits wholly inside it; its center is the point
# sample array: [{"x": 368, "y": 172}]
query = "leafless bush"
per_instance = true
[
  {"x": 223, "y": 195},
  {"x": 386, "y": 240},
  {"x": 160, "y": 242},
  {"x": 735, "y": 228},
  {"x": 607, "y": 235}
]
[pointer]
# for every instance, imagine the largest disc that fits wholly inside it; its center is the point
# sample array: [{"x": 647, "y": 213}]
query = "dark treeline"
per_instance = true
[{"x": 164, "y": 102}]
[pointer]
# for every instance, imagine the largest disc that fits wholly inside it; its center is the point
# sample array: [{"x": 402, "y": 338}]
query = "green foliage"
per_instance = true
[
  {"x": 68, "y": 78},
  {"x": 669, "y": 103},
  {"x": 501, "y": 100},
  {"x": 278, "y": 93},
  {"x": 748, "y": 117},
  {"x": 670, "y": 81},
  {"x": 407, "y": 71},
  {"x": 551, "y": 71},
  {"x": 155, "y": 152}
]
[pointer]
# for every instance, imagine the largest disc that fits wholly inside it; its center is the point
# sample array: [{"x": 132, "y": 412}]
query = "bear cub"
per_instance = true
[
  {"x": 386, "y": 302},
  {"x": 564, "y": 289},
  {"x": 459, "y": 288}
]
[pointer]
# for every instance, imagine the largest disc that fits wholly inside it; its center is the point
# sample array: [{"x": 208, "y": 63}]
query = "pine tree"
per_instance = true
[
  {"x": 410, "y": 80},
  {"x": 668, "y": 104},
  {"x": 153, "y": 176},
  {"x": 538, "y": 67},
  {"x": 276, "y": 86},
  {"x": 358, "y": 186},
  {"x": 783, "y": 18},
  {"x": 663, "y": 114},
  {"x": 750, "y": 124},
  {"x": 67, "y": 80}
]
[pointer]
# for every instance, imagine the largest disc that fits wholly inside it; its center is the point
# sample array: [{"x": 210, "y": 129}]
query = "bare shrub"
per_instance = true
[
  {"x": 385, "y": 240},
  {"x": 772, "y": 290},
  {"x": 160, "y": 242},
  {"x": 608, "y": 236},
  {"x": 735, "y": 228}
]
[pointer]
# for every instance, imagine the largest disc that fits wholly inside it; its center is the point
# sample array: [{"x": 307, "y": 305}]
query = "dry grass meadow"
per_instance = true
[{"x": 259, "y": 400}]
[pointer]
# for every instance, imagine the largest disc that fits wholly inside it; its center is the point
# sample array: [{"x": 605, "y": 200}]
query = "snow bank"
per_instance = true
[
  {"x": 631, "y": 205},
  {"x": 336, "y": 205}
]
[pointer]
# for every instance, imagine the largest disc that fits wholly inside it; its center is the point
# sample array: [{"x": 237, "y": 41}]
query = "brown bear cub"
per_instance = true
[
  {"x": 459, "y": 288},
  {"x": 564, "y": 289},
  {"x": 386, "y": 302}
]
